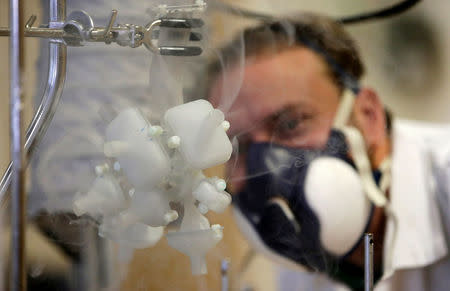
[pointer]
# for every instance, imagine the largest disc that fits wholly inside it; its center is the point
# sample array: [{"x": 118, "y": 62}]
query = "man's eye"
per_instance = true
[{"x": 289, "y": 124}]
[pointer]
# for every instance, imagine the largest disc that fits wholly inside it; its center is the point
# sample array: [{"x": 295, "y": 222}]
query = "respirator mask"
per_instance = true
[{"x": 308, "y": 207}]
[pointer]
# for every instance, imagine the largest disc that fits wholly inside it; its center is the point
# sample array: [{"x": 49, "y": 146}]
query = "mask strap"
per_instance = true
[
  {"x": 282, "y": 204},
  {"x": 345, "y": 109},
  {"x": 358, "y": 150},
  {"x": 385, "y": 169}
]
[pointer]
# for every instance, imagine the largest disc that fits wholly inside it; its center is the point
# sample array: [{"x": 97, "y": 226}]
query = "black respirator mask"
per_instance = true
[{"x": 310, "y": 208}]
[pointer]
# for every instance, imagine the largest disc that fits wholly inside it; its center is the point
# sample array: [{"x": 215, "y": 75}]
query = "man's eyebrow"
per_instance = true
[
  {"x": 291, "y": 108},
  {"x": 247, "y": 130},
  {"x": 274, "y": 117}
]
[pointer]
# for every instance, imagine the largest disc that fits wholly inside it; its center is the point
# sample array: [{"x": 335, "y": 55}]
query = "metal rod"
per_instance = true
[
  {"x": 18, "y": 201},
  {"x": 50, "y": 98},
  {"x": 38, "y": 32},
  {"x": 99, "y": 34},
  {"x": 111, "y": 22},
  {"x": 30, "y": 21},
  {"x": 57, "y": 11},
  {"x": 368, "y": 262},
  {"x": 52, "y": 94},
  {"x": 225, "y": 265},
  {"x": 4, "y": 31}
]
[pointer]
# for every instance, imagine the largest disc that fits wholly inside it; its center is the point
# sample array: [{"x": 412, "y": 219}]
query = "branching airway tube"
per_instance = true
[{"x": 378, "y": 14}]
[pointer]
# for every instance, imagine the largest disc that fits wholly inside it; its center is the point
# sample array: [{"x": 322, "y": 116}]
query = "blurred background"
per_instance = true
[{"x": 408, "y": 62}]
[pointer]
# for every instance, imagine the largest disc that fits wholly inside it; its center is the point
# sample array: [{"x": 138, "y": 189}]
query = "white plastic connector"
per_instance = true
[
  {"x": 170, "y": 216},
  {"x": 116, "y": 166},
  {"x": 101, "y": 169},
  {"x": 218, "y": 231},
  {"x": 174, "y": 142},
  {"x": 221, "y": 185},
  {"x": 226, "y": 125},
  {"x": 202, "y": 208},
  {"x": 155, "y": 130}
]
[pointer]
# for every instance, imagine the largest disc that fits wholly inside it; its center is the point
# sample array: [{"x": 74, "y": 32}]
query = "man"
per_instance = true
[{"x": 292, "y": 89}]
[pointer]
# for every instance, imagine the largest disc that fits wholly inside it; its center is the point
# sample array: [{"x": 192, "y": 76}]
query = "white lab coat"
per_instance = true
[{"x": 416, "y": 255}]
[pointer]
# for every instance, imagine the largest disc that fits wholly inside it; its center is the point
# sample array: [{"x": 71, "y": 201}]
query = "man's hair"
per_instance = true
[{"x": 316, "y": 32}]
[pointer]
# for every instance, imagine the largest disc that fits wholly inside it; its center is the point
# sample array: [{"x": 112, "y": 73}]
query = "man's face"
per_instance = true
[{"x": 288, "y": 99}]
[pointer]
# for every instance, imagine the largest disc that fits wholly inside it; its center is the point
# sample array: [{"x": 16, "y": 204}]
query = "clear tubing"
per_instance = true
[
  {"x": 18, "y": 201},
  {"x": 51, "y": 96}
]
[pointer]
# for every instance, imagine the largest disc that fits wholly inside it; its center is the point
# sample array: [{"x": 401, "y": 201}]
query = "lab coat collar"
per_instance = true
[{"x": 415, "y": 238}]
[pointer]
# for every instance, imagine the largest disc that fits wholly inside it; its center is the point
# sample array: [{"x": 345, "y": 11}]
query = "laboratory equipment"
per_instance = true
[
  {"x": 158, "y": 164},
  {"x": 124, "y": 217}
]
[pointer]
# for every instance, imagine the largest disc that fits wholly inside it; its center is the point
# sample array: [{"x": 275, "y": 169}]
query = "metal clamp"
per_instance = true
[
  {"x": 150, "y": 34},
  {"x": 79, "y": 28}
]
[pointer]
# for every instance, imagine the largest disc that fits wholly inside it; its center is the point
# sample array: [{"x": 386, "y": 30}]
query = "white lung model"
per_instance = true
[{"x": 149, "y": 166}]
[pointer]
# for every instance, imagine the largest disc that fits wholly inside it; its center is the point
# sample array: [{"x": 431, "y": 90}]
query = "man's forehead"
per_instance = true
[
  {"x": 267, "y": 84},
  {"x": 269, "y": 73}
]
